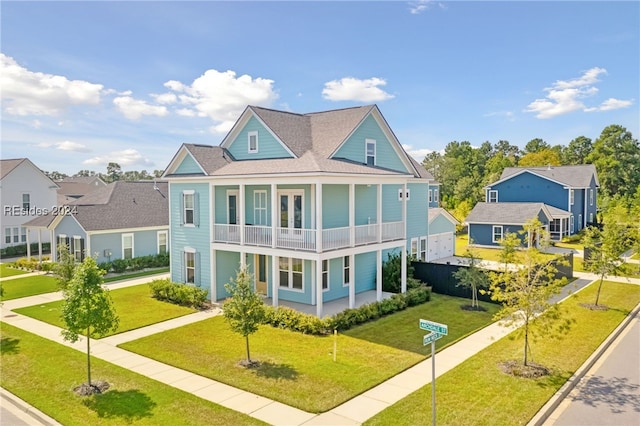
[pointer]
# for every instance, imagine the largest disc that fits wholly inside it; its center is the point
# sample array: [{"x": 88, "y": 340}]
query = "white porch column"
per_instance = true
[
  {"x": 352, "y": 281},
  {"x": 379, "y": 276},
  {"x": 275, "y": 279},
  {"x": 274, "y": 222},
  {"x": 404, "y": 211},
  {"x": 403, "y": 269},
  {"x": 212, "y": 291},
  {"x": 28, "y": 243},
  {"x": 243, "y": 260},
  {"x": 242, "y": 217},
  {"x": 39, "y": 245},
  {"x": 379, "y": 213},
  {"x": 318, "y": 284},
  {"x": 319, "y": 217},
  {"x": 53, "y": 245},
  {"x": 352, "y": 215}
]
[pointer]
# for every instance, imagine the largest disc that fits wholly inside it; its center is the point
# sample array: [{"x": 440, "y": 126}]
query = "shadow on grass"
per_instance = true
[
  {"x": 555, "y": 380},
  {"x": 615, "y": 392},
  {"x": 276, "y": 371},
  {"x": 124, "y": 406},
  {"x": 9, "y": 345}
]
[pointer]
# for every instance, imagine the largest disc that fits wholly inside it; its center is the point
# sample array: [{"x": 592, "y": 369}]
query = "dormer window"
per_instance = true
[
  {"x": 370, "y": 152},
  {"x": 253, "y": 142},
  {"x": 493, "y": 196}
]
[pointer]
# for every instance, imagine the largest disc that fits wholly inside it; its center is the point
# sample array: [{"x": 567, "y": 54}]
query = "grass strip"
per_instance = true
[
  {"x": 43, "y": 373},
  {"x": 134, "y": 305},
  {"x": 299, "y": 370},
  {"x": 135, "y": 275},
  {"x": 29, "y": 286},
  {"x": 7, "y": 271},
  {"x": 477, "y": 392}
]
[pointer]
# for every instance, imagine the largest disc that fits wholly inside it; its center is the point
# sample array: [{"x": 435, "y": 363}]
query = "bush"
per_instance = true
[
  {"x": 392, "y": 274},
  {"x": 119, "y": 265},
  {"x": 180, "y": 294},
  {"x": 105, "y": 266},
  {"x": 290, "y": 319}
]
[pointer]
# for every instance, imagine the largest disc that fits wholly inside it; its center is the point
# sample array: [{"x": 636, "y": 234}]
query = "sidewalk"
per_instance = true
[{"x": 352, "y": 412}]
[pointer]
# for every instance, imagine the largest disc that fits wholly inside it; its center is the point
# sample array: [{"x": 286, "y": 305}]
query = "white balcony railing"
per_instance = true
[{"x": 305, "y": 239}]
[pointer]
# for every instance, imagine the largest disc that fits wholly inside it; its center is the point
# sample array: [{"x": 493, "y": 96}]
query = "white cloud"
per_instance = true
[
  {"x": 353, "y": 89},
  {"x": 222, "y": 96},
  {"x": 418, "y": 154},
  {"x": 166, "y": 98},
  {"x": 127, "y": 157},
  {"x": 133, "y": 109},
  {"x": 417, "y": 7},
  {"x": 65, "y": 146},
  {"x": 564, "y": 97},
  {"x": 25, "y": 92}
]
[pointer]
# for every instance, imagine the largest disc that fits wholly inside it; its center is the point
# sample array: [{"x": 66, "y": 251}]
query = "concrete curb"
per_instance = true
[
  {"x": 26, "y": 408},
  {"x": 562, "y": 393}
]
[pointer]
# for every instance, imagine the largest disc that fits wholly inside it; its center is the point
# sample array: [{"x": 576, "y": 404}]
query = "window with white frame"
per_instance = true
[
  {"x": 590, "y": 217},
  {"x": 16, "y": 235},
  {"x": 493, "y": 196},
  {"x": 346, "y": 266},
  {"x": 571, "y": 224},
  {"x": 571, "y": 197},
  {"x": 591, "y": 196},
  {"x": 252, "y": 142},
  {"x": 233, "y": 215},
  {"x": 401, "y": 191},
  {"x": 26, "y": 201},
  {"x": 189, "y": 207},
  {"x": 580, "y": 221},
  {"x": 414, "y": 247},
  {"x": 127, "y": 246},
  {"x": 291, "y": 273},
  {"x": 370, "y": 153},
  {"x": 325, "y": 274},
  {"x": 78, "y": 248},
  {"x": 190, "y": 266},
  {"x": 23, "y": 234},
  {"x": 436, "y": 195},
  {"x": 422, "y": 252},
  {"x": 163, "y": 238},
  {"x": 7, "y": 235},
  {"x": 497, "y": 233},
  {"x": 430, "y": 195},
  {"x": 260, "y": 207}
]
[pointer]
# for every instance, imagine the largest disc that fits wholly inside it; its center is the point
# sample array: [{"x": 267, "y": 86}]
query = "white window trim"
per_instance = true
[
  {"x": 580, "y": 221},
  {"x": 368, "y": 142},
  {"x": 166, "y": 241},
  {"x": 23, "y": 234},
  {"x": 436, "y": 195},
  {"x": 16, "y": 234},
  {"x": 430, "y": 196},
  {"x": 235, "y": 192},
  {"x": 325, "y": 273},
  {"x": 132, "y": 245},
  {"x": 422, "y": 254},
  {"x": 7, "y": 234},
  {"x": 590, "y": 217},
  {"x": 346, "y": 270},
  {"x": 493, "y": 233},
  {"x": 184, "y": 208},
  {"x": 28, "y": 202},
  {"x": 249, "y": 134},
  {"x": 492, "y": 192},
  {"x": 189, "y": 250},
  {"x": 77, "y": 247},
  {"x": 571, "y": 225},
  {"x": 572, "y": 197},
  {"x": 400, "y": 194},
  {"x": 415, "y": 244},
  {"x": 290, "y": 272},
  {"x": 590, "y": 196},
  {"x": 257, "y": 210}
]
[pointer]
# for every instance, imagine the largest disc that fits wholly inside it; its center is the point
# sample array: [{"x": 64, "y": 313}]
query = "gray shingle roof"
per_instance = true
[
  {"x": 578, "y": 176},
  {"x": 210, "y": 158},
  {"x": 6, "y": 166},
  {"x": 510, "y": 213},
  {"x": 121, "y": 205}
]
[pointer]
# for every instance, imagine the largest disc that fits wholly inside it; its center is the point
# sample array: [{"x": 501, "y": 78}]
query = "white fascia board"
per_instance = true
[
  {"x": 128, "y": 230},
  {"x": 177, "y": 160}
]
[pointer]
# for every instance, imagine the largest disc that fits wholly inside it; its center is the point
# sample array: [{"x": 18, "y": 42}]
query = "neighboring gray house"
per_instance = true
[
  {"x": 75, "y": 187},
  {"x": 120, "y": 220},
  {"x": 490, "y": 222}
]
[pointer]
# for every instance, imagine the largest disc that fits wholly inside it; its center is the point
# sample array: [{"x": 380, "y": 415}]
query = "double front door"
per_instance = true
[{"x": 291, "y": 211}]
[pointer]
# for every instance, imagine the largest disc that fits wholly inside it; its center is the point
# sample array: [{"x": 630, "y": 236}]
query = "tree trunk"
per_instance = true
[
  {"x": 88, "y": 358},
  {"x": 526, "y": 341},
  {"x": 599, "y": 288},
  {"x": 247, "y": 341}
]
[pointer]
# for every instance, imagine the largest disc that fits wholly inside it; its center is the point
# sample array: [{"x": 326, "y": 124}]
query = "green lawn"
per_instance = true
[
  {"x": 629, "y": 270},
  {"x": 29, "y": 286},
  {"x": 298, "y": 369},
  {"x": 43, "y": 373},
  {"x": 6, "y": 271},
  {"x": 134, "y": 305},
  {"x": 573, "y": 246},
  {"x": 135, "y": 275},
  {"x": 477, "y": 392},
  {"x": 493, "y": 254}
]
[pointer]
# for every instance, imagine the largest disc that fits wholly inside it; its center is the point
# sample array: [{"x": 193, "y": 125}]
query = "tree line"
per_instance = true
[
  {"x": 463, "y": 170},
  {"x": 114, "y": 173}
]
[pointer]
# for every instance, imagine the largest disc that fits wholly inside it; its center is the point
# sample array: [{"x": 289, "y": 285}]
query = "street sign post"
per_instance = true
[{"x": 437, "y": 331}]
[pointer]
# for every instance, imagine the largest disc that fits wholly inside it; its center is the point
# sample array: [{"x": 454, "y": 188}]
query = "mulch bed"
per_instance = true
[
  {"x": 96, "y": 387},
  {"x": 593, "y": 307},
  {"x": 530, "y": 371}
]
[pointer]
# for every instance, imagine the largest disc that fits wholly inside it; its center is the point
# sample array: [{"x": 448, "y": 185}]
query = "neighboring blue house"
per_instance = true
[
  {"x": 310, "y": 203},
  {"x": 489, "y": 222},
  {"x": 570, "y": 190},
  {"x": 434, "y": 194},
  {"x": 117, "y": 221}
]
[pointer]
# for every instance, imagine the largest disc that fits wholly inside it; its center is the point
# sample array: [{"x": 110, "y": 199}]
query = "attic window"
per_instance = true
[
  {"x": 370, "y": 152},
  {"x": 253, "y": 142}
]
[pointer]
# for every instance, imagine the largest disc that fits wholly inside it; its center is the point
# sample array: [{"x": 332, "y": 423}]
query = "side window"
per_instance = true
[
  {"x": 190, "y": 208},
  {"x": 370, "y": 153},
  {"x": 252, "y": 142},
  {"x": 127, "y": 246},
  {"x": 162, "y": 242},
  {"x": 190, "y": 266},
  {"x": 497, "y": 234},
  {"x": 26, "y": 201},
  {"x": 325, "y": 274},
  {"x": 345, "y": 268},
  {"x": 493, "y": 196}
]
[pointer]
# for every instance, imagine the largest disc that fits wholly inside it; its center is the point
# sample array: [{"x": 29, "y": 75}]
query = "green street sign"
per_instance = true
[
  {"x": 434, "y": 326},
  {"x": 431, "y": 337}
]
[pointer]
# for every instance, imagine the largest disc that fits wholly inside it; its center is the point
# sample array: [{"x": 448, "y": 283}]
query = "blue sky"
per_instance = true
[{"x": 86, "y": 83}]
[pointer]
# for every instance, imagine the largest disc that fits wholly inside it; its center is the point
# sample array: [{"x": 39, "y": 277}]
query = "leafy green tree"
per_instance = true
[
  {"x": 616, "y": 155},
  {"x": 605, "y": 248},
  {"x": 471, "y": 276},
  {"x": 87, "y": 309},
  {"x": 536, "y": 145},
  {"x": 65, "y": 266},
  {"x": 577, "y": 151},
  {"x": 510, "y": 244},
  {"x": 114, "y": 172},
  {"x": 244, "y": 310},
  {"x": 525, "y": 294},
  {"x": 543, "y": 157}
]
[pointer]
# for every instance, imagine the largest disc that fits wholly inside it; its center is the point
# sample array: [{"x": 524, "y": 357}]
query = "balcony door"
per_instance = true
[{"x": 291, "y": 212}]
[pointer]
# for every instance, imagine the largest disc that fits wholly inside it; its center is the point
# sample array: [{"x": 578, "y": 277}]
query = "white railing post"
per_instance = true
[{"x": 318, "y": 233}]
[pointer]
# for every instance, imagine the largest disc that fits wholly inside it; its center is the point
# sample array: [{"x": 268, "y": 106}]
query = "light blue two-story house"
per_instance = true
[
  {"x": 310, "y": 203},
  {"x": 564, "y": 198}
]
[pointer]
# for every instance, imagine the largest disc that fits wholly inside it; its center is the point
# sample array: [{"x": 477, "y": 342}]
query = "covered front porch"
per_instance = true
[{"x": 335, "y": 306}]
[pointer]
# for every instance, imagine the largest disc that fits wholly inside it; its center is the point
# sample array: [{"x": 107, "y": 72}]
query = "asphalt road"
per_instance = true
[{"x": 609, "y": 394}]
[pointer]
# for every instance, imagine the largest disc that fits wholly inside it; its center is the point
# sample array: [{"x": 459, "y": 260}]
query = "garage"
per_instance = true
[{"x": 440, "y": 246}]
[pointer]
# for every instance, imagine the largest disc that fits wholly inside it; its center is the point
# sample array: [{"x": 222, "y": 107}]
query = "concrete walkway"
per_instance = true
[{"x": 352, "y": 412}]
